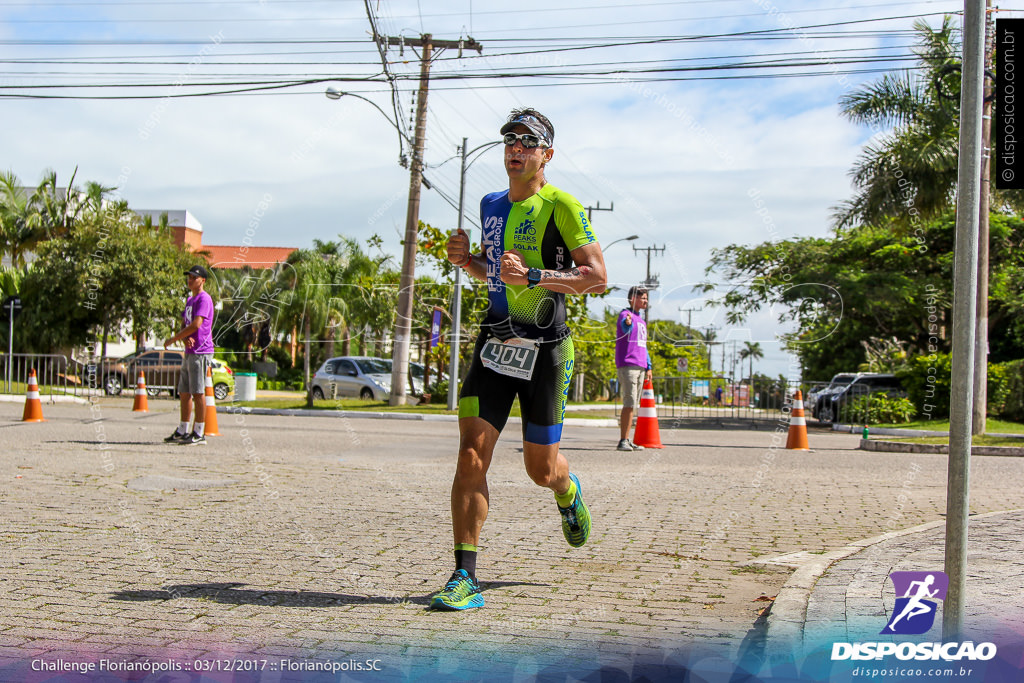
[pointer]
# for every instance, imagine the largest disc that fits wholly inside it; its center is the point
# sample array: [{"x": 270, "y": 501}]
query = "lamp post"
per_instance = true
[
  {"x": 403, "y": 321},
  {"x": 621, "y": 239},
  {"x": 453, "y": 361},
  {"x": 335, "y": 94}
]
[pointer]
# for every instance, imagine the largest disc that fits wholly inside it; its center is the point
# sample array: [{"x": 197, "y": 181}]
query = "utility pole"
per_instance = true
[
  {"x": 978, "y": 425},
  {"x": 965, "y": 277},
  {"x": 403, "y": 321},
  {"x": 597, "y": 208},
  {"x": 453, "y": 361},
  {"x": 651, "y": 283}
]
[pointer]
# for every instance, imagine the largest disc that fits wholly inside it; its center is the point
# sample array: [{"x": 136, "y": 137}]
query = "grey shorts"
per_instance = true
[
  {"x": 192, "y": 379},
  {"x": 631, "y": 384}
]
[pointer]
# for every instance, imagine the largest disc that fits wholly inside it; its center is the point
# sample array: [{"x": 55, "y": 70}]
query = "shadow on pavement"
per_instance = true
[
  {"x": 96, "y": 442},
  {"x": 232, "y": 594}
]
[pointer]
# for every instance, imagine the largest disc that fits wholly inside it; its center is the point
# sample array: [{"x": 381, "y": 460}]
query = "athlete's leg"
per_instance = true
[
  {"x": 477, "y": 438},
  {"x": 546, "y": 466},
  {"x": 542, "y": 404}
]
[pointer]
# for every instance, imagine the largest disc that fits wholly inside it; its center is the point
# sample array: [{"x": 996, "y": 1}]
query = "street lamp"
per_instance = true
[
  {"x": 335, "y": 94},
  {"x": 453, "y": 360},
  {"x": 403, "y": 322},
  {"x": 621, "y": 239}
]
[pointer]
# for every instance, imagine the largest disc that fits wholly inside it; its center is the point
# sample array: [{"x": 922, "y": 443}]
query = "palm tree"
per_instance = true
[
  {"x": 911, "y": 171},
  {"x": 751, "y": 350},
  {"x": 29, "y": 218}
]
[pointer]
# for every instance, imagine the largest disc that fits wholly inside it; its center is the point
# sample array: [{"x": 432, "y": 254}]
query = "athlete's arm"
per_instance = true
[
  {"x": 477, "y": 266},
  {"x": 459, "y": 254},
  {"x": 586, "y": 277}
]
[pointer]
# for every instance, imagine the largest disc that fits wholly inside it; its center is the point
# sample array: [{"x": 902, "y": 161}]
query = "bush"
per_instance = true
[
  {"x": 1006, "y": 390},
  {"x": 438, "y": 392},
  {"x": 281, "y": 356},
  {"x": 878, "y": 409},
  {"x": 928, "y": 381}
]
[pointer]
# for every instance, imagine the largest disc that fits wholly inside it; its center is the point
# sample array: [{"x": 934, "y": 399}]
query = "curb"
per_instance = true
[
  {"x": 936, "y": 448},
  {"x": 352, "y": 414},
  {"x": 13, "y": 398},
  {"x": 789, "y": 610},
  {"x": 787, "y": 618}
]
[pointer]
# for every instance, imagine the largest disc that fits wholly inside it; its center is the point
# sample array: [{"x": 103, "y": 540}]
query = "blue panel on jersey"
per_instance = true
[
  {"x": 545, "y": 436},
  {"x": 494, "y": 210}
]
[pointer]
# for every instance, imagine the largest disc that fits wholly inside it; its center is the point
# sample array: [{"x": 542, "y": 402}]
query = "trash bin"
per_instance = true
[{"x": 245, "y": 386}]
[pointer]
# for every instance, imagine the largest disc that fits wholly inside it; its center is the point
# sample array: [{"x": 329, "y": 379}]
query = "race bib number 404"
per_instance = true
[{"x": 514, "y": 358}]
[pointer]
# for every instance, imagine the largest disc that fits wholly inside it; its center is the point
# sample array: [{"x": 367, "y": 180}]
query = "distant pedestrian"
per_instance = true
[
  {"x": 632, "y": 360},
  {"x": 197, "y": 334},
  {"x": 718, "y": 396}
]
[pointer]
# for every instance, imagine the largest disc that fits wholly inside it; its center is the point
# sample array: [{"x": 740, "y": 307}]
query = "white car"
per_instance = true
[{"x": 362, "y": 377}]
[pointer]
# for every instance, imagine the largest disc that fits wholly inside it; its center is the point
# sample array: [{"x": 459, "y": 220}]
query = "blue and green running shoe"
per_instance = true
[
  {"x": 461, "y": 592},
  {"x": 576, "y": 517}
]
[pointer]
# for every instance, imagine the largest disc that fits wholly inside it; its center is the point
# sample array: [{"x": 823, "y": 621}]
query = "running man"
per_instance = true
[
  {"x": 916, "y": 592},
  {"x": 632, "y": 361},
  {"x": 537, "y": 247}
]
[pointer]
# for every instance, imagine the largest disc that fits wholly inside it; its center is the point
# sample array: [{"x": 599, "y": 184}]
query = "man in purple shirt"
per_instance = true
[
  {"x": 197, "y": 334},
  {"x": 632, "y": 360}
]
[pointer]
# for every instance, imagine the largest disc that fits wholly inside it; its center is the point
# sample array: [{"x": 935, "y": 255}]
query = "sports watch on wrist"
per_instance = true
[{"x": 532, "y": 278}]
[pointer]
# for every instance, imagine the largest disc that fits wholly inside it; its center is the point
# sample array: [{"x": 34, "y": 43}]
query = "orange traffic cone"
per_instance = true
[
  {"x": 210, "y": 428},
  {"x": 141, "y": 401},
  {"x": 33, "y": 408},
  {"x": 646, "y": 433},
  {"x": 797, "y": 439}
]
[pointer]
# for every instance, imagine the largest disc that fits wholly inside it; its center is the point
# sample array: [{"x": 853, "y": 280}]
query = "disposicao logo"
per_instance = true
[{"x": 914, "y": 612}]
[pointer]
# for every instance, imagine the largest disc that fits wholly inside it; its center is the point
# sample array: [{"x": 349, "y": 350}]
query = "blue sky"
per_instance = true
[{"x": 680, "y": 160}]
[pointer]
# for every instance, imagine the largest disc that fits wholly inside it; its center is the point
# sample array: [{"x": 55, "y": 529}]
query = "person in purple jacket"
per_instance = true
[
  {"x": 632, "y": 360},
  {"x": 197, "y": 334}
]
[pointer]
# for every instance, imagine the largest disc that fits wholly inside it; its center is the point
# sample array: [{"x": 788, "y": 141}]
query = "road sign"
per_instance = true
[
  {"x": 683, "y": 363},
  {"x": 12, "y": 307}
]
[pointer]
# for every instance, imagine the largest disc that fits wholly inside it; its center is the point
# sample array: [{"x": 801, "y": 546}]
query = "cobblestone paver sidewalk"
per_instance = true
[{"x": 306, "y": 538}]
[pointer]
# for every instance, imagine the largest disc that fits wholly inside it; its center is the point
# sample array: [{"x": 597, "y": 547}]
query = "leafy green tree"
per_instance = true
[
  {"x": 108, "y": 272},
  {"x": 867, "y": 282}
]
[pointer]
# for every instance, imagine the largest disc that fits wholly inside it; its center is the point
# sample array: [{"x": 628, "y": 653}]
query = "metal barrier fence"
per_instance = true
[
  {"x": 698, "y": 399},
  {"x": 55, "y": 374}
]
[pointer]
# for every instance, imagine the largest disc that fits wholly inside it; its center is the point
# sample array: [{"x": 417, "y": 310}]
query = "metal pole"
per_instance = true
[
  {"x": 965, "y": 270},
  {"x": 10, "y": 344},
  {"x": 453, "y": 363},
  {"x": 981, "y": 334},
  {"x": 403, "y": 321}
]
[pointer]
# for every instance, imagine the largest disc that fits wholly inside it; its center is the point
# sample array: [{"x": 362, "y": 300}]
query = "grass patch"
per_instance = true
[
  {"x": 751, "y": 569},
  {"x": 991, "y": 425}
]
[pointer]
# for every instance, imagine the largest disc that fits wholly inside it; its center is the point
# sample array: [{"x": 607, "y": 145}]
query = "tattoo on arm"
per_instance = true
[{"x": 581, "y": 271}]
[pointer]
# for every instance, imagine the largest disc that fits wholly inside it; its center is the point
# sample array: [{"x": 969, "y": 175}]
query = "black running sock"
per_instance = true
[{"x": 465, "y": 558}]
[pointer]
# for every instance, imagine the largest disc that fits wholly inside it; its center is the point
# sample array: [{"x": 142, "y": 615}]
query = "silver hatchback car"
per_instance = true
[{"x": 356, "y": 376}]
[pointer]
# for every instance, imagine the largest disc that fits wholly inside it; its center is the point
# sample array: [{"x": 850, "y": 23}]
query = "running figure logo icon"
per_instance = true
[{"x": 916, "y": 595}]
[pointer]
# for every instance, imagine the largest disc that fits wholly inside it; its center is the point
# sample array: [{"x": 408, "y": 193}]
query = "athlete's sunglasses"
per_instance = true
[{"x": 529, "y": 140}]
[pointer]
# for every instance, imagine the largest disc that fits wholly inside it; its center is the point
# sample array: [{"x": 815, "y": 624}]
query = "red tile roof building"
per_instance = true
[{"x": 188, "y": 231}]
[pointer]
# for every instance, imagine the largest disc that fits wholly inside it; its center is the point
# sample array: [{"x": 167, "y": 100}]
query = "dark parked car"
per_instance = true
[
  {"x": 817, "y": 397},
  {"x": 865, "y": 384},
  {"x": 161, "y": 367}
]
